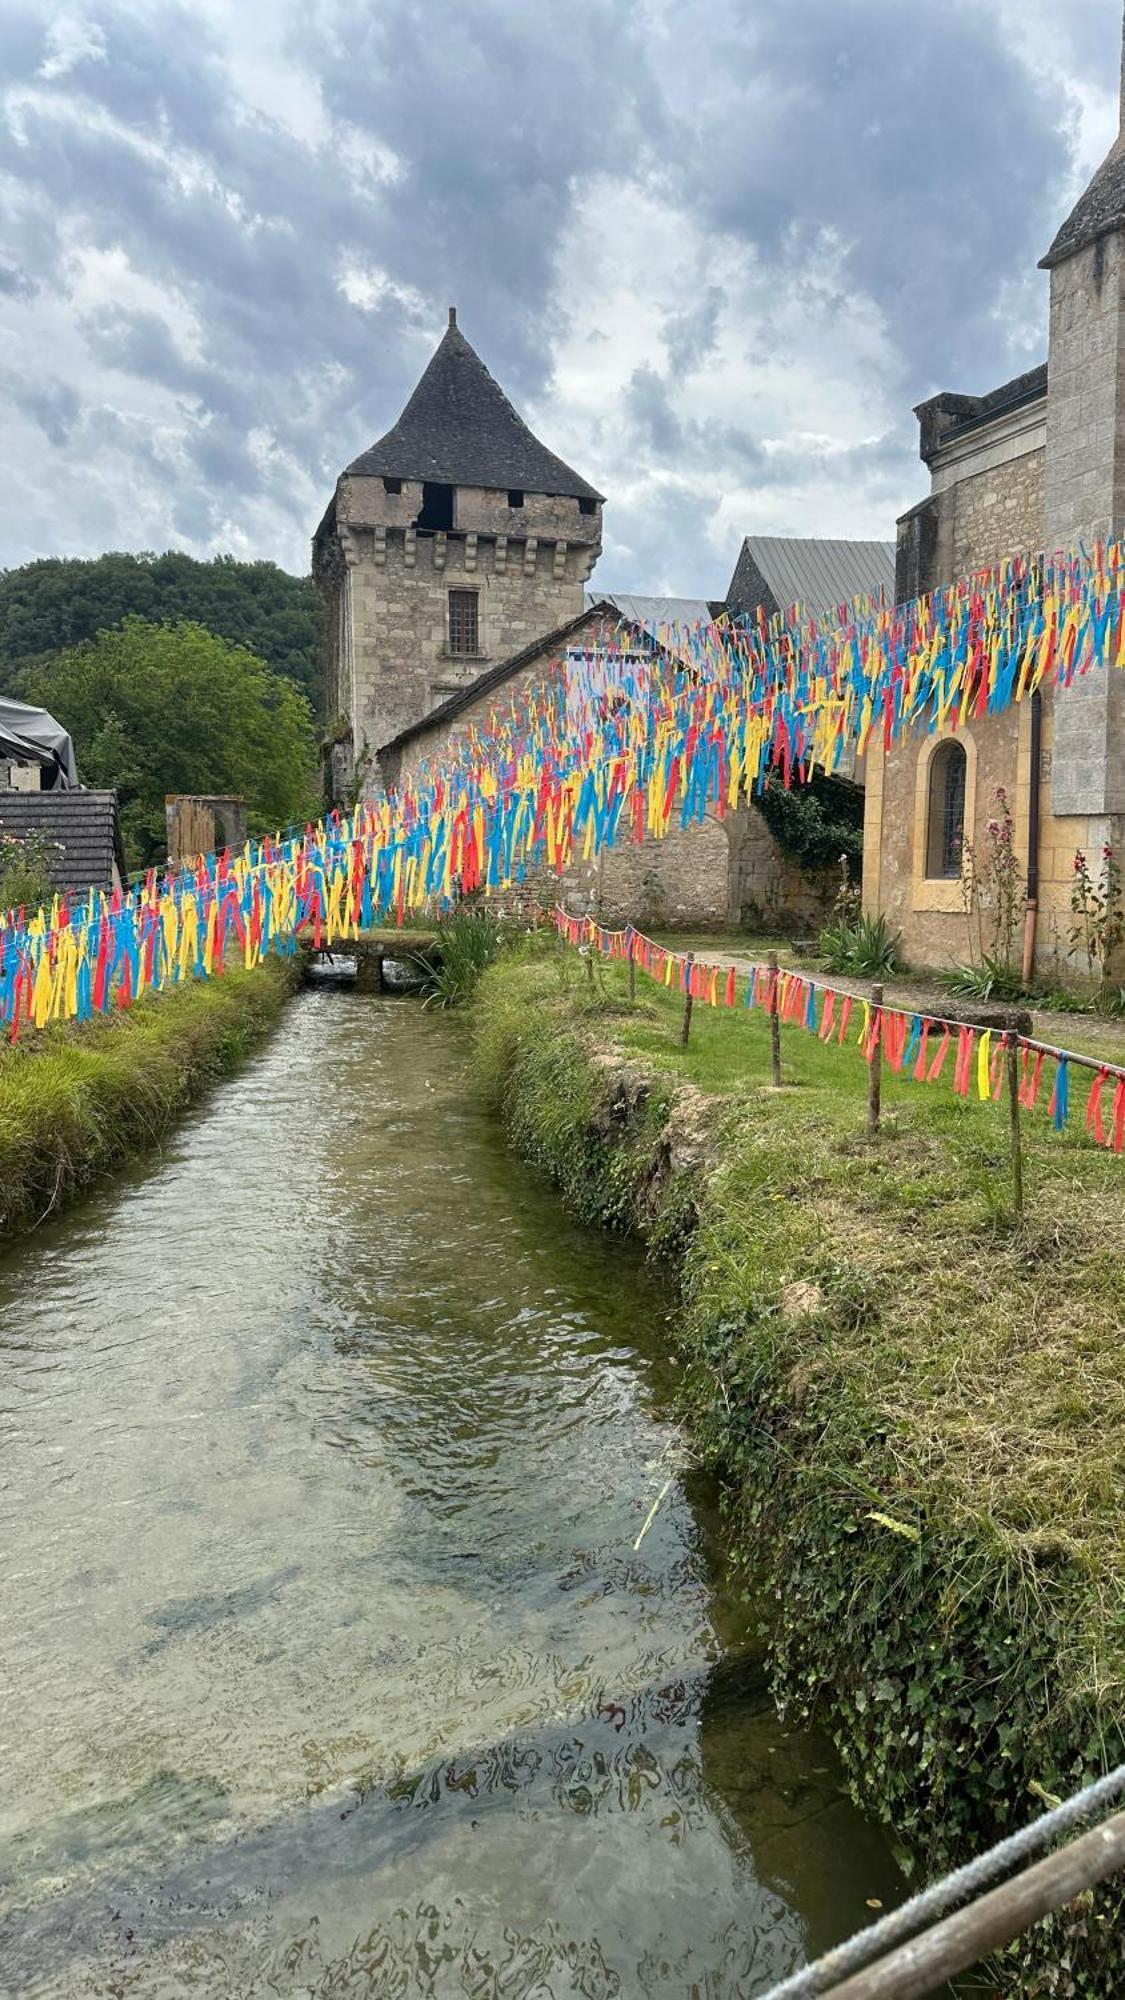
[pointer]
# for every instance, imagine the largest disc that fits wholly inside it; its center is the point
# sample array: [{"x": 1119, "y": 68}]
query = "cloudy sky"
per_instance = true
[{"x": 714, "y": 252}]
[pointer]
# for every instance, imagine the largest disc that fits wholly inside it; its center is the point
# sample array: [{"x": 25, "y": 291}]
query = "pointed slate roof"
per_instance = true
[{"x": 460, "y": 429}]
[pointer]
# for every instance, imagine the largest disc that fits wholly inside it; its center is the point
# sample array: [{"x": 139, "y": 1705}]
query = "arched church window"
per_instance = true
[{"x": 945, "y": 820}]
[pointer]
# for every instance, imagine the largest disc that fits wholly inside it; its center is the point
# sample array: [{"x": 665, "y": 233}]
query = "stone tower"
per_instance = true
[
  {"x": 454, "y": 542},
  {"x": 1085, "y": 472}
]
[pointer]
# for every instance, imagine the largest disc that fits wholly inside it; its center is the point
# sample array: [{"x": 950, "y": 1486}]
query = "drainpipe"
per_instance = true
[{"x": 1031, "y": 918}]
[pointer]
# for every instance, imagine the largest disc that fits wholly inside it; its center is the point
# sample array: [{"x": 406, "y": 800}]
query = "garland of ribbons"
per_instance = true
[
  {"x": 633, "y": 735},
  {"x": 915, "y": 1046}
]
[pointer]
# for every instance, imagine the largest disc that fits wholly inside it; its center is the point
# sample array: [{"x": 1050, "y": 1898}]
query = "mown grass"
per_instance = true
[
  {"x": 76, "y": 1101},
  {"x": 918, "y": 1404}
]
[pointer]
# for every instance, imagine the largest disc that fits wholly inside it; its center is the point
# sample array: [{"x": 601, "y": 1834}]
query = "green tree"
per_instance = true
[
  {"x": 155, "y": 709},
  {"x": 59, "y": 602}
]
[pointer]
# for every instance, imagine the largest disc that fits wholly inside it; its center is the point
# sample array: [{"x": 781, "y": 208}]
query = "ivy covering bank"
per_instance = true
[
  {"x": 79, "y": 1100},
  {"x": 918, "y": 1409}
]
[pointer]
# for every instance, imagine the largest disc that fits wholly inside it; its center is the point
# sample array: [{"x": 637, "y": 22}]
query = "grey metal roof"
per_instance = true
[
  {"x": 459, "y": 429},
  {"x": 83, "y": 824},
  {"x": 818, "y": 574},
  {"x": 654, "y": 612}
]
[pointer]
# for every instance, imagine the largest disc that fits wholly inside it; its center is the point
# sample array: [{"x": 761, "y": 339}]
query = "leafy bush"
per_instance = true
[
  {"x": 863, "y": 945},
  {"x": 992, "y": 979},
  {"x": 26, "y": 870},
  {"x": 469, "y": 940},
  {"x": 817, "y": 822}
]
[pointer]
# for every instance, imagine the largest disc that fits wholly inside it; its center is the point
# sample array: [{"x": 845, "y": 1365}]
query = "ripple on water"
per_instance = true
[{"x": 329, "y": 1663}]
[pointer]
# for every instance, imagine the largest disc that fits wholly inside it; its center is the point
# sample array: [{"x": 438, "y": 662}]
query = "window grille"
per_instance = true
[{"x": 464, "y": 626}]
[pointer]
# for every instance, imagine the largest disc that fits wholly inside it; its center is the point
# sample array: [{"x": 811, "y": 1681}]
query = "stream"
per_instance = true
[{"x": 329, "y": 1663}]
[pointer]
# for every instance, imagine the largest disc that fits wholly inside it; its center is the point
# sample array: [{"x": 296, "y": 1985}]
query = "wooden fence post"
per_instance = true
[
  {"x": 630, "y": 938},
  {"x": 772, "y": 1001},
  {"x": 875, "y": 1064},
  {"x": 686, "y": 1029},
  {"x": 1013, "y": 1042}
]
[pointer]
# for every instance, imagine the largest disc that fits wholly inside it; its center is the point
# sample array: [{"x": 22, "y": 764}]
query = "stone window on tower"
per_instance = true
[
  {"x": 587, "y": 506},
  {"x": 945, "y": 820},
  {"x": 515, "y": 496},
  {"x": 464, "y": 622},
  {"x": 391, "y": 485}
]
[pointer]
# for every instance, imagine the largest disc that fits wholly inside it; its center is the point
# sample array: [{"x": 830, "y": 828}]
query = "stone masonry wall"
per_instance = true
[
  {"x": 997, "y": 513},
  {"x": 399, "y": 618},
  {"x": 720, "y": 873},
  {"x": 930, "y": 917},
  {"x": 1085, "y": 499}
]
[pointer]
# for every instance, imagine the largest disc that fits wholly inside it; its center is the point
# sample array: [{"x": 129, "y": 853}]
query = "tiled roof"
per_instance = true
[
  {"x": 83, "y": 824},
  {"x": 459, "y": 429}
]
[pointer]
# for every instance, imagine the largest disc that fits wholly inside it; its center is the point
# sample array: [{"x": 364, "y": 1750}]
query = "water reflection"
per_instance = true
[{"x": 328, "y": 1663}]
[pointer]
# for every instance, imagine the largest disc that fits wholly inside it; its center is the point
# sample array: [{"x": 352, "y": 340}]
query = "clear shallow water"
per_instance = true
[{"x": 327, "y": 1663}]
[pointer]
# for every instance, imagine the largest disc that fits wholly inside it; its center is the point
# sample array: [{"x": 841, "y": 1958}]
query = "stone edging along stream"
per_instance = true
[
  {"x": 76, "y": 1102},
  {"x": 939, "y": 1653}
]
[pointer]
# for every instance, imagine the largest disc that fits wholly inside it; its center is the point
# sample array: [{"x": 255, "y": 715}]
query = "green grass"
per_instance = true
[
  {"x": 918, "y": 1405},
  {"x": 76, "y": 1101},
  {"x": 738, "y": 944}
]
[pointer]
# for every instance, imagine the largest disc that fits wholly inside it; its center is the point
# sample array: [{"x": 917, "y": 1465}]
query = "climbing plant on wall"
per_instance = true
[{"x": 816, "y": 823}]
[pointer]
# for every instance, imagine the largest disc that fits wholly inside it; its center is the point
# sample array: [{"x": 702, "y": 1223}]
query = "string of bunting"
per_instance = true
[
  {"x": 629, "y": 738},
  {"x": 915, "y": 1046}
]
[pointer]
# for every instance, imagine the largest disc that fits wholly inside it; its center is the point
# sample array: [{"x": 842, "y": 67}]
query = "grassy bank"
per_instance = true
[
  {"x": 78, "y": 1101},
  {"x": 919, "y": 1408}
]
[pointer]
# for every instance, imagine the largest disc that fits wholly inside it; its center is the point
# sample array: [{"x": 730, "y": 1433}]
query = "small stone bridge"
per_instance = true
[{"x": 418, "y": 952}]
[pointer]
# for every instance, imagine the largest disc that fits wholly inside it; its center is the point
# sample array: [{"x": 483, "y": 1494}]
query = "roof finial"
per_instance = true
[{"x": 452, "y": 315}]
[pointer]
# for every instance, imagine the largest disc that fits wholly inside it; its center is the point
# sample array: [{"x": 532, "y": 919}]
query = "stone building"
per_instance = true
[
  {"x": 448, "y": 546},
  {"x": 721, "y": 872},
  {"x": 1033, "y": 465},
  {"x": 452, "y": 562}
]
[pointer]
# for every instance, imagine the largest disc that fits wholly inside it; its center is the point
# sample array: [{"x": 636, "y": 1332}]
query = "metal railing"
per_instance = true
[{"x": 950, "y": 1926}]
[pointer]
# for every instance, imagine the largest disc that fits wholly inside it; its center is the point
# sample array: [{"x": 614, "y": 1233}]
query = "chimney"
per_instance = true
[{"x": 453, "y": 309}]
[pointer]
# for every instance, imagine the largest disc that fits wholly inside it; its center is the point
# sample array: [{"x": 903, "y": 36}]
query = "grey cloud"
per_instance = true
[
  {"x": 912, "y": 138},
  {"x": 690, "y": 335},
  {"x": 495, "y": 113},
  {"x": 51, "y": 404},
  {"x": 915, "y": 135},
  {"x": 14, "y": 282},
  {"x": 648, "y": 402}
]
